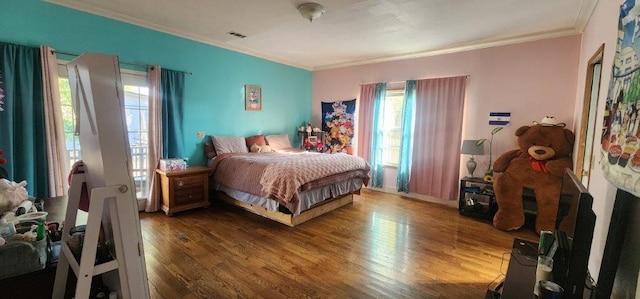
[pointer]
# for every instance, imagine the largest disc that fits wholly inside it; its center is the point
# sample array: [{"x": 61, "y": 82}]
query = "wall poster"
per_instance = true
[
  {"x": 338, "y": 122},
  {"x": 621, "y": 131}
]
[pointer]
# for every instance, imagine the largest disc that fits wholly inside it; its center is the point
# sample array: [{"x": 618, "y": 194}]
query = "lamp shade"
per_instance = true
[{"x": 470, "y": 147}]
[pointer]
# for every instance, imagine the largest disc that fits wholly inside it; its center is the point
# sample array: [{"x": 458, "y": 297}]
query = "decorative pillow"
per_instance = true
[
  {"x": 278, "y": 142},
  {"x": 256, "y": 139},
  {"x": 261, "y": 148},
  {"x": 229, "y": 144}
]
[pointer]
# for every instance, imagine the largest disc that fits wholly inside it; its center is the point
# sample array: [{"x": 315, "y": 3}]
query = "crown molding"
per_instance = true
[
  {"x": 586, "y": 11},
  {"x": 463, "y": 48}
]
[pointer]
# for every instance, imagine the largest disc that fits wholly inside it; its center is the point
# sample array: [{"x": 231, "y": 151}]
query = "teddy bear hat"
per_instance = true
[{"x": 549, "y": 121}]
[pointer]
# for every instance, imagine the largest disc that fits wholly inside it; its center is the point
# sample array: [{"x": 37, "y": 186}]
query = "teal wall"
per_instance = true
[{"x": 214, "y": 100}]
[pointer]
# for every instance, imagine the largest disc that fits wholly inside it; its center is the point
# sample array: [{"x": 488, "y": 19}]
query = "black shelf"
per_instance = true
[
  {"x": 485, "y": 205},
  {"x": 477, "y": 198}
]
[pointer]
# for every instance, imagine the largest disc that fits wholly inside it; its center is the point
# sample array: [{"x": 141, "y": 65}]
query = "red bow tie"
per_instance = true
[{"x": 538, "y": 165}]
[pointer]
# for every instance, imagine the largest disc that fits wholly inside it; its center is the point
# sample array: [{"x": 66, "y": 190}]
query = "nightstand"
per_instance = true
[{"x": 184, "y": 189}]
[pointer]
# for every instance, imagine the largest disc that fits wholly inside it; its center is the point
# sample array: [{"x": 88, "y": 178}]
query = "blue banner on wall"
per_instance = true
[{"x": 338, "y": 122}]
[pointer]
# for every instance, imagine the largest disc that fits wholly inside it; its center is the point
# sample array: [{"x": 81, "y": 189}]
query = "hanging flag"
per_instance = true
[{"x": 499, "y": 118}]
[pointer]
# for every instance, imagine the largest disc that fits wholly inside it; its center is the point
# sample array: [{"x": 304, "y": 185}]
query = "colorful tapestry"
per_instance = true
[
  {"x": 338, "y": 122},
  {"x": 621, "y": 132}
]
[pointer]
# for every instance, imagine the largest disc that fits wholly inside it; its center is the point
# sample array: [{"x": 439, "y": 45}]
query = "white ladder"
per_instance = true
[{"x": 87, "y": 269}]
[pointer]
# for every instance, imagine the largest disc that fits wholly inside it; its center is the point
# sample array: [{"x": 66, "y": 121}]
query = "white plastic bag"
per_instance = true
[{"x": 12, "y": 194}]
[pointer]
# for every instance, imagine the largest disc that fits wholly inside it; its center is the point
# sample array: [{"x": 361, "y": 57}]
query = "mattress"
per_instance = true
[{"x": 307, "y": 199}]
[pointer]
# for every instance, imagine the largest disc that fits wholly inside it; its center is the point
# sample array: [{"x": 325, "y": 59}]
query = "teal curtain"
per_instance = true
[
  {"x": 406, "y": 141},
  {"x": 376, "y": 140},
  {"x": 22, "y": 126},
  {"x": 172, "y": 97}
]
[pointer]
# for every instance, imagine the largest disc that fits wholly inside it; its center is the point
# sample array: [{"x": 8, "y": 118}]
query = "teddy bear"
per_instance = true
[{"x": 539, "y": 163}]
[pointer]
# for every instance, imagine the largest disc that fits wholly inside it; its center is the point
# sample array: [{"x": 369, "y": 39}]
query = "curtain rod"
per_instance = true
[
  {"x": 121, "y": 62},
  {"x": 396, "y": 82}
]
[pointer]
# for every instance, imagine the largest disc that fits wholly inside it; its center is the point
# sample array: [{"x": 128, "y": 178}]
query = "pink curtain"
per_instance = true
[
  {"x": 365, "y": 119},
  {"x": 56, "y": 146},
  {"x": 155, "y": 139},
  {"x": 438, "y": 126}
]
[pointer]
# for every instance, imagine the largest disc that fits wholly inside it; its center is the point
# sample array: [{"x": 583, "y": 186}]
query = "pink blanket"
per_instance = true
[{"x": 280, "y": 175}]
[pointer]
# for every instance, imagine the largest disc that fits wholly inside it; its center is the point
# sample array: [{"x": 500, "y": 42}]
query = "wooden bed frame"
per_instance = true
[{"x": 288, "y": 219}]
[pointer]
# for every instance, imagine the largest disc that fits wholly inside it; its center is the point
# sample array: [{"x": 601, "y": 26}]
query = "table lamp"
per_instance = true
[{"x": 470, "y": 147}]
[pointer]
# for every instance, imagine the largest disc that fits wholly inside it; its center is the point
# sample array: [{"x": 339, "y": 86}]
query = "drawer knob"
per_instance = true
[{"x": 180, "y": 183}]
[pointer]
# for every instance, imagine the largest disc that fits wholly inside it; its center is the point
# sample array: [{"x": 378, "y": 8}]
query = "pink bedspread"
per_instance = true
[{"x": 280, "y": 176}]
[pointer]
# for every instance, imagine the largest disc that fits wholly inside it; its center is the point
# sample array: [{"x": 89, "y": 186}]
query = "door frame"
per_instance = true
[{"x": 586, "y": 106}]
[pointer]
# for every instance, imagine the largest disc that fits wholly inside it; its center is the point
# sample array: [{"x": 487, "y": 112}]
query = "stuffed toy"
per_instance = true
[
  {"x": 539, "y": 164},
  {"x": 12, "y": 195}
]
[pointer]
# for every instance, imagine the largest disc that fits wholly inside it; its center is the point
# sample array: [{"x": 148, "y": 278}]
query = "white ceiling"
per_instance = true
[{"x": 351, "y": 32}]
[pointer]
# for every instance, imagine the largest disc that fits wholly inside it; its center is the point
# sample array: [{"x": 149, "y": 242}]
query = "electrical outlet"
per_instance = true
[{"x": 200, "y": 134}]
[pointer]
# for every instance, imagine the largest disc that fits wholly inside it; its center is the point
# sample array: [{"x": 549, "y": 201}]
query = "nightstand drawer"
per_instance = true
[
  {"x": 188, "y": 182},
  {"x": 188, "y": 195}
]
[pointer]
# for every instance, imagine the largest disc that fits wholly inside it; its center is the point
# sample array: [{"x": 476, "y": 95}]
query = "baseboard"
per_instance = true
[{"x": 391, "y": 190}]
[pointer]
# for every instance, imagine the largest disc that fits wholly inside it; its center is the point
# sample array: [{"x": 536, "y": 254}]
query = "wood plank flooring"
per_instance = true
[{"x": 381, "y": 246}]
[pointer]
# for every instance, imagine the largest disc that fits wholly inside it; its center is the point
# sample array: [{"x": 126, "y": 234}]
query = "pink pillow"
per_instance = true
[
  {"x": 278, "y": 142},
  {"x": 256, "y": 139}
]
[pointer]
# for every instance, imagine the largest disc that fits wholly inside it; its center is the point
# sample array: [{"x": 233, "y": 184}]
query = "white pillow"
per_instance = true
[
  {"x": 278, "y": 142},
  {"x": 229, "y": 144}
]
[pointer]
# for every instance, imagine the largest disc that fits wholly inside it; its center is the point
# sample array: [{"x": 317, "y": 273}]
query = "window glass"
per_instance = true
[
  {"x": 136, "y": 102},
  {"x": 391, "y": 126}
]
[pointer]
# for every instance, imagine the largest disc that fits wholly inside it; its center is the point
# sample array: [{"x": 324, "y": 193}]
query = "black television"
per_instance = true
[
  {"x": 574, "y": 232},
  {"x": 623, "y": 208}
]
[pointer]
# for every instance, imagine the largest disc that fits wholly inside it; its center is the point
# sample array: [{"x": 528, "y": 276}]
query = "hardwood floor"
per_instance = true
[{"x": 381, "y": 246}]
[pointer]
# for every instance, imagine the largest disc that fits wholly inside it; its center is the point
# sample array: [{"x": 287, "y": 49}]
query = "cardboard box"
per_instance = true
[{"x": 172, "y": 164}]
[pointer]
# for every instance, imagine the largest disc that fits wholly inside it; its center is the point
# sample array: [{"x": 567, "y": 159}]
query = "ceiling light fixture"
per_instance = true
[{"x": 311, "y": 10}]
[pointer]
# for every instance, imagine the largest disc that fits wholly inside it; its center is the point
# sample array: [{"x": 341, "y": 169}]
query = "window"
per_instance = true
[
  {"x": 68, "y": 116},
  {"x": 391, "y": 126},
  {"x": 136, "y": 103},
  {"x": 136, "y": 106}
]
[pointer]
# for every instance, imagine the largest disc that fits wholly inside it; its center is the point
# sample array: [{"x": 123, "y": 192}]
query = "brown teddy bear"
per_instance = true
[{"x": 539, "y": 164}]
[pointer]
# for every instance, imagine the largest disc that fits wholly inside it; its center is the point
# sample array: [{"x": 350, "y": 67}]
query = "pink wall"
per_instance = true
[
  {"x": 603, "y": 29},
  {"x": 530, "y": 80}
]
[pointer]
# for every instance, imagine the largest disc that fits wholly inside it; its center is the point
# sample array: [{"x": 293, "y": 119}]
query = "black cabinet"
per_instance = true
[{"x": 477, "y": 198}]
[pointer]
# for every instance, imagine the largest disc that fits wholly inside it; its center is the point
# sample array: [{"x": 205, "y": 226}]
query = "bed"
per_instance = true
[{"x": 285, "y": 184}]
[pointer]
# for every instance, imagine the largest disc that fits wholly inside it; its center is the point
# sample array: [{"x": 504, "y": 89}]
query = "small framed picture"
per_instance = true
[
  {"x": 313, "y": 139},
  {"x": 252, "y": 98}
]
